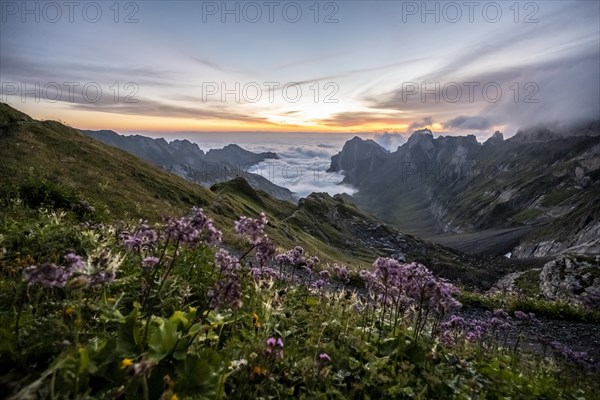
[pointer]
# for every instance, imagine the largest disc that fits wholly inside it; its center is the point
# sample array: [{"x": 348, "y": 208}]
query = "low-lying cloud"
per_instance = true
[
  {"x": 303, "y": 158},
  {"x": 390, "y": 140}
]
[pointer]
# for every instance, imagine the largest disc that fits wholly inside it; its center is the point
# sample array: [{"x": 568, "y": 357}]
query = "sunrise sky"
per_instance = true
[{"x": 359, "y": 74}]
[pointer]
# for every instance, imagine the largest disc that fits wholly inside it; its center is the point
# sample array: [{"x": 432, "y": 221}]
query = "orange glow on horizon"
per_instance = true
[{"x": 97, "y": 120}]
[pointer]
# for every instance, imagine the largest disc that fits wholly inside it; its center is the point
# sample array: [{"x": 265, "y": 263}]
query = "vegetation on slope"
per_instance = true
[
  {"x": 48, "y": 164},
  {"x": 96, "y": 305},
  {"x": 163, "y": 311}
]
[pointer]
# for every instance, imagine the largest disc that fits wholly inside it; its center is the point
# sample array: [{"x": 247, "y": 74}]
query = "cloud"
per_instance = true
[
  {"x": 390, "y": 141},
  {"x": 33, "y": 70},
  {"x": 345, "y": 119},
  {"x": 209, "y": 63},
  {"x": 156, "y": 108},
  {"x": 307, "y": 152},
  {"x": 562, "y": 88},
  {"x": 423, "y": 123},
  {"x": 466, "y": 122},
  {"x": 303, "y": 160},
  {"x": 302, "y": 176}
]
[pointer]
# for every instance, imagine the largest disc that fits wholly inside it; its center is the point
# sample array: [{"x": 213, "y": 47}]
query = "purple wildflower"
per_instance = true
[
  {"x": 318, "y": 284},
  {"x": 226, "y": 293},
  {"x": 150, "y": 262},
  {"x": 193, "y": 229},
  {"x": 525, "y": 318},
  {"x": 226, "y": 262},
  {"x": 264, "y": 252},
  {"x": 341, "y": 273},
  {"x": 324, "y": 357},
  {"x": 580, "y": 358},
  {"x": 324, "y": 274},
  {"x": 253, "y": 229},
  {"x": 48, "y": 275},
  {"x": 143, "y": 238},
  {"x": 51, "y": 275},
  {"x": 73, "y": 262},
  {"x": 274, "y": 347}
]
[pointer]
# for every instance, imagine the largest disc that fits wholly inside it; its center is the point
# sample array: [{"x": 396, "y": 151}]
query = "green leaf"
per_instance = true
[
  {"x": 194, "y": 329},
  {"x": 84, "y": 359},
  {"x": 129, "y": 337},
  {"x": 163, "y": 340},
  {"x": 180, "y": 317}
]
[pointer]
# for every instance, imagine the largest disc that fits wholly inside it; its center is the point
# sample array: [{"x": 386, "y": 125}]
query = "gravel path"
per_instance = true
[{"x": 578, "y": 336}]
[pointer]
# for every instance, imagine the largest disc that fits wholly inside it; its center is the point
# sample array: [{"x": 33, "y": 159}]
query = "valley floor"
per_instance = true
[{"x": 495, "y": 242}]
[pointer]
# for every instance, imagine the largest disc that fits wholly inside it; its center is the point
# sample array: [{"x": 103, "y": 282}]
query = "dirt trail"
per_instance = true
[
  {"x": 495, "y": 242},
  {"x": 579, "y": 336}
]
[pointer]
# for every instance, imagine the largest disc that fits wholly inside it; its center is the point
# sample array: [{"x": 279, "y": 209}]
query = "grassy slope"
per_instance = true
[
  {"x": 112, "y": 180},
  {"x": 120, "y": 185}
]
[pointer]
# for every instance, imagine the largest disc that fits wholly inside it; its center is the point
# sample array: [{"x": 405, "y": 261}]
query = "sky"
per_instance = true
[{"x": 375, "y": 67}]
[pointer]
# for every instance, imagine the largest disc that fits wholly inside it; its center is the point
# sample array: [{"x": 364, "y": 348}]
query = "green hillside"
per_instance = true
[
  {"x": 43, "y": 156},
  {"x": 48, "y": 163}
]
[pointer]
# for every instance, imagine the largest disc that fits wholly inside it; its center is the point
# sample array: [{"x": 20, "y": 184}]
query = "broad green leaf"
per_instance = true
[{"x": 163, "y": 340}]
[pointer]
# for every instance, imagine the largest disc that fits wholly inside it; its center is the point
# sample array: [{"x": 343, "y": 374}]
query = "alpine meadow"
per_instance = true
[{"x": 299, "y": 200}]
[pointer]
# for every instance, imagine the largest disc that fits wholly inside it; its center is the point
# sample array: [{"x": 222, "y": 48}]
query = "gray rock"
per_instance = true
[{"x": 572, "y": 278}]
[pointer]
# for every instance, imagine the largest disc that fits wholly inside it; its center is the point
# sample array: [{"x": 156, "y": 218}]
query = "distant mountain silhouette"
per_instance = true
[{"x": 187, "y": 160}]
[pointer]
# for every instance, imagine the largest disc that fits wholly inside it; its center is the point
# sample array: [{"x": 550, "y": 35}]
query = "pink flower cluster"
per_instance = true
[
  {"x": 227, "y": 292},
  {"x": 253, "y": 230},
  {"x": 393, "y": 282},
  {"x": 194, "y": 229},
  {"x": 274, "y": 347}
]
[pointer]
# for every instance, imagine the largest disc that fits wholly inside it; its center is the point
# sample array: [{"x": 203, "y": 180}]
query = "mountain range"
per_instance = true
[
  {"x": 48, "y": 164},
  {"x": 187, "y": 160},
  {"x": 536, "y": 194}
]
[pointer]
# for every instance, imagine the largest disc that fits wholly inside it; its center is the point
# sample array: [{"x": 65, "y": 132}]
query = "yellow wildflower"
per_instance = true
[
  {"x": 255, "y": 321},
  {"x": 126, "y": 362},
  {"x": 69, "y": 311},
  {"x": 259, "y": 371},
  {"x": 174, "y": 397}
]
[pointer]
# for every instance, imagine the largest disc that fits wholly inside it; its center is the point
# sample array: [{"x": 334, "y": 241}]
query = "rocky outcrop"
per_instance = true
[
  {"x": 496, "y": 138},
  {"x": 578, "y": 231},
  {"x": 358, "y": 157},
  {"x": 509, "y": 283},
  {"x": 235, "y": 155},
  {"x": 572, "y": 278}
]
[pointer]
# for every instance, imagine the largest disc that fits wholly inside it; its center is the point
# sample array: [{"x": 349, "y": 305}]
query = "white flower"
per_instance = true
[{"x": 237, "y": 364}]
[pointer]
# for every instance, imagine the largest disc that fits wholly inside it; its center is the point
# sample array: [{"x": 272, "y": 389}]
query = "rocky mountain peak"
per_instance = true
[
  {"x": 355, "y": 153},
  {"x": 421, "y": 133},
  {"x": 184, "y": 143},
  {"x": 496, "y": 138}
]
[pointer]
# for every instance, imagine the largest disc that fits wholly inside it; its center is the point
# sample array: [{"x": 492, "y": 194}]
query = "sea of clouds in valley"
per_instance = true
[{"x": 303, "y": 158}]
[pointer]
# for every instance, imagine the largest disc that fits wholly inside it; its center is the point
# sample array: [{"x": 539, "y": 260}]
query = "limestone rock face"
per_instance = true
[
  {"x": 572, "y": 278},
  {"x": 496, "y": 138},
  {"x": 357, "y": 157},
  {"x": 507, "y": 284}
]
